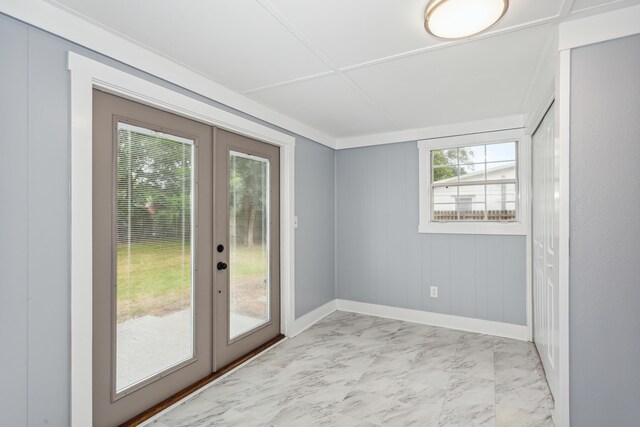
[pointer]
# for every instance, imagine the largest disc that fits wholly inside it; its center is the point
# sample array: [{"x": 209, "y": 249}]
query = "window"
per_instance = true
[
  {"x": 471, "y": 184},
  {"x": 477, "y": 183}
]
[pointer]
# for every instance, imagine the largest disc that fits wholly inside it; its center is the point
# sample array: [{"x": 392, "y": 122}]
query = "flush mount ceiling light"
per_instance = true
[{"x": 456, "y": 19}]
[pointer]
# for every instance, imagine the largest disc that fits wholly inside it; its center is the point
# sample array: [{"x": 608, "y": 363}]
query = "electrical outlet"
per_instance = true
[{"x": 434, "y": 292}]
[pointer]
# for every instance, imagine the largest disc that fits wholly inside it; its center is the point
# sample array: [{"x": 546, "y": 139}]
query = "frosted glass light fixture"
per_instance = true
[{"x": 456, "y": 19}]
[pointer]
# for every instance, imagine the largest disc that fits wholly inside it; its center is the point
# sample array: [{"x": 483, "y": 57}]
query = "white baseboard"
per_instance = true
[
  {"x": 468, "y": 324},
  {"x": 489, "y": 327},
  {"x": 307, "y": 320}
]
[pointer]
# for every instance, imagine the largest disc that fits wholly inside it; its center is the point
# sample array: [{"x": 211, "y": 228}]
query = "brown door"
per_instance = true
[
  {"x": 186, "y": 253},
  {"x": 152, "y": 210},
  {"x": 247, "y": 235}
]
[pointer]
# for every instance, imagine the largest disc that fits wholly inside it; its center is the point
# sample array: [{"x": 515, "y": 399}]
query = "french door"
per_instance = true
[
  {"x": 185, "y": 253},
  {"x": 545, "y": 246}
]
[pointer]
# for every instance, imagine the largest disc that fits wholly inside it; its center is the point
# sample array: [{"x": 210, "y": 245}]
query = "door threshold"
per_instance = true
[{"x": 156, "y": 409}]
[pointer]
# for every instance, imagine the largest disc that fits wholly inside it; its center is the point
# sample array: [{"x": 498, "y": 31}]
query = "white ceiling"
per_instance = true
[{"x": 349, "y": 68}]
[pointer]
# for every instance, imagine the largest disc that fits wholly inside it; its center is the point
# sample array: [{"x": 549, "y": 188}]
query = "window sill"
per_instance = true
[{"x": 511, "y": 228}]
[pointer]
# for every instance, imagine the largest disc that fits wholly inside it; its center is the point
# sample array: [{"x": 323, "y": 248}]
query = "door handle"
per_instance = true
[{"x": 222, "y": 266}]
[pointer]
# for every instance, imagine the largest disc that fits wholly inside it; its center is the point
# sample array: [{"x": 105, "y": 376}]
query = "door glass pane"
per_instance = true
[
  {"x": 154, "y": 314},
  {"x": 249, "y": 243}
]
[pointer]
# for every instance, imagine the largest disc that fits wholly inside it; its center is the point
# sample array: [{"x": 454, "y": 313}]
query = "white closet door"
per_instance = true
[{"x": 545, "y": 246}]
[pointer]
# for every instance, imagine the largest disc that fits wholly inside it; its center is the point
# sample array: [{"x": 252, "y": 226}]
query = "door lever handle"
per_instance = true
[{"x": 221, "y": 266}]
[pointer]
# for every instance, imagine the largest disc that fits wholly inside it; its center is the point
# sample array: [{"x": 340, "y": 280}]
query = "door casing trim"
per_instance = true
[{"x": 85, "y": 75}]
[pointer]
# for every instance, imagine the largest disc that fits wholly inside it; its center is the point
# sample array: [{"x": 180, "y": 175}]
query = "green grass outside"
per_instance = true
[{"x": 155, "y": 279}]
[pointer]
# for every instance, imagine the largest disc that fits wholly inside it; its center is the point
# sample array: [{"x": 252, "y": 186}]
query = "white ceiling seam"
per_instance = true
[
  {"x": 450, "y": 44},
  {"x": 567, "y": 6},
  {"x": 546, "y": 53},
  {"x": 565, "y": 10},
  {"x": 288, "y": 82},
  {"x": 380, "y": 106},
  {"x": 582, "y": 7},
  {"x": 327, "y": 103},
  {"x": 331, "y": 71},
  {"x": 291, "y": 27}
]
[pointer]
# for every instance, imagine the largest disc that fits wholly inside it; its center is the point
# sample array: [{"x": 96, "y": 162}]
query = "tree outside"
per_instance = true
[
  {"x": 448, "y": 163},
  {"x": 153, "y": 223}
]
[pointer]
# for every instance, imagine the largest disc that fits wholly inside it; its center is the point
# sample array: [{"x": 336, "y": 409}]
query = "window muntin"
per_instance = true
[{"x": 476, "y": 183}]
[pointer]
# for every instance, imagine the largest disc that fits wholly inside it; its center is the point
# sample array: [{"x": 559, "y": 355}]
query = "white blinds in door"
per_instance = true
[{"x": 153, "y": 300}]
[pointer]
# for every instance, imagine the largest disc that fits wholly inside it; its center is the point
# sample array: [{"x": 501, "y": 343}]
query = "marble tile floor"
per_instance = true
[{"x": 356, "y": 370}]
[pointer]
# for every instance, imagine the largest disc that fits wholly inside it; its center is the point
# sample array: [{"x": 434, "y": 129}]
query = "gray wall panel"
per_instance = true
[
  {"x": 14, "y": 167},
  {"x": 463, "y": 278},
  {"x": 48, "y": 229},
  {"x": 440, "y": 247},
  {"x": 396, "y": 247},
  {"x": 605, "y": 234},
  {"x": 414, "y": 264},
  {"x": 315, "y": 235},
  {"x": 494, "y": 274},
  {"x": 481, "y": 277},
  {"x": 426, "y": 272},
  {"x": 515, "y": 297},
  {"x": 382, "y": 258}
]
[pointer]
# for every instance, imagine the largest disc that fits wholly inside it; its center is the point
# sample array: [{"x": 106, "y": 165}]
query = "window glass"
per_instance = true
[
  {"x": 249, "y": 285},
  {"x": 154, "y": 310},
  {"x": 475, "y": 154},
  {"x": 475, "y": 183},
  {"x": 476, "y": 193},
  {"x": 501, "y": 152},
  {"x": 445, "y": 174},
  {"x": 472, "y": 172},
  {"x": 501, "y": 170},
  {"x": 445, "y": 157}
]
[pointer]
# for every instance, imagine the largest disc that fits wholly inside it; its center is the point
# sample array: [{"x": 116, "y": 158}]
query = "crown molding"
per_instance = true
[
  {"x": 455, "y": 129},
  {"x": 81, "y": 31},
  {"x": 599, "y": 28}
]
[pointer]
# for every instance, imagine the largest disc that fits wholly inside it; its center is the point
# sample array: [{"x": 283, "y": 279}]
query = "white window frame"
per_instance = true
[{"x": 518, "y": 227}]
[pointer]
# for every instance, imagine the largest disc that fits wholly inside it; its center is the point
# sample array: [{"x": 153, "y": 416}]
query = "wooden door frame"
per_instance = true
[{"x": 86, "y": 75}]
